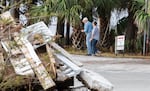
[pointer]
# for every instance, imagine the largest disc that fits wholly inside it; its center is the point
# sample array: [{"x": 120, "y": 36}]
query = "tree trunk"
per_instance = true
[
  {"x": 68, "y": 34},
  {"x": 131, "y": 33},
  {"x": 60, "y": 31},
  {"x": 103, "y": 32},
  {"x": 60, "y": 27}
]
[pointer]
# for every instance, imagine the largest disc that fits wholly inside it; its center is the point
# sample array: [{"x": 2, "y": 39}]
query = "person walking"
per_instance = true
[
  {"x": 88, "y": 31},
  {"x": 94, "y": 38}
]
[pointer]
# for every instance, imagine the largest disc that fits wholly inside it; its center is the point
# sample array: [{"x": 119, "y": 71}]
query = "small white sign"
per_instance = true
[{"x": 120, "y": 41}]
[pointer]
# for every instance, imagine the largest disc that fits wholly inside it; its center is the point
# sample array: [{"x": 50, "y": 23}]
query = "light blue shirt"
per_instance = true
[
  {"x": 88, "y": 27},
  {"x": 95, "y": 33}
]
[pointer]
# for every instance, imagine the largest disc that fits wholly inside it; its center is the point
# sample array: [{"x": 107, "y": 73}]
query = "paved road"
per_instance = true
[{"x": 126, "y": 74}]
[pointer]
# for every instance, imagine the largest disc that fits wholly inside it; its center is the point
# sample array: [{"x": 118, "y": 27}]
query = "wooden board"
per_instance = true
[
  {"x": 39, "y": 69},
  {"x": 21, "y": 66},
  {"x": 38, "y": 28},
  {"x": 52, "y": 60},
  {"x": 72, "y": 69},
  {"x": 65, "y": 53}
]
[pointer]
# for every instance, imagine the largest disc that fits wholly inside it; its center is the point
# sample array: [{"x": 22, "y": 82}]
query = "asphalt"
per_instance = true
[{"x": 126, "y": 74}]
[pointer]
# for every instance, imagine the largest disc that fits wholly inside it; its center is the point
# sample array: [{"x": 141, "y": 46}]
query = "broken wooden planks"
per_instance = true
[
  {"x": 52, "y": 60},
  {"x": 39, "y": 69},
  {"x": 71, "y": 69},
  {"x": 65, "y": 53},
  {"x": 21, "y": 66},
  {"x": 19, "y": 63},
  {"x": 66, "y": 66}
]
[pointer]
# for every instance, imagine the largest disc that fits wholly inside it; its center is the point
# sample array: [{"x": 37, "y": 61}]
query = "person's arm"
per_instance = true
[
  {"x": 86, "y": 28},
  {"x": 92, "y": 36}
]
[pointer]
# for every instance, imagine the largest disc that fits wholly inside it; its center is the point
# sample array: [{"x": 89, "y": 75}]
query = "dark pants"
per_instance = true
[{"x": 93, "y": 46}]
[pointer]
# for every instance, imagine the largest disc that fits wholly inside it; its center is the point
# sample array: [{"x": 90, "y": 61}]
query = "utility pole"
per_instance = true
[
  {"x": 144, "y": 40},
  {"x": 148, "y": 27}
]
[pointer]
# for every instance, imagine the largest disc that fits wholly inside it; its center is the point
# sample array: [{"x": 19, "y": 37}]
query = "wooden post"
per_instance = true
[{"x": 52, "y": 60}]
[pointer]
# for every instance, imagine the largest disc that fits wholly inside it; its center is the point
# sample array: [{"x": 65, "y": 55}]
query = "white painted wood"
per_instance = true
[
  {"x": 92, "y": 79},
  {"x": 39, "y": 27},
  {"x": 73, "y": 69},
  {"x": 15, "y": 52},
  {"x": 4, "y": 46},
  {"x": 39, "y": 69},
  {"x": 65, "y": 53},
  {"x": 51, "y": 60},
  {"x": 21, "y": 66}
]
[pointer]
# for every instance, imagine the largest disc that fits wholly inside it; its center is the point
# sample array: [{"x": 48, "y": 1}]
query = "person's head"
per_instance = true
[
  {"x": 94, "y": 23},
  {"x": 85, "y": 19}
]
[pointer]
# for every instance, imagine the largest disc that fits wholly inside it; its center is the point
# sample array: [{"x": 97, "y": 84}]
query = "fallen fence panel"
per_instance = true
[{"x": 39, "y": 69}]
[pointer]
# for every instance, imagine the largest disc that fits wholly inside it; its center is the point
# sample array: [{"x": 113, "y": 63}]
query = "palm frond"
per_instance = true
[
  {"x": 5, "y": 21},
  {"x": 141, "y": 20}
]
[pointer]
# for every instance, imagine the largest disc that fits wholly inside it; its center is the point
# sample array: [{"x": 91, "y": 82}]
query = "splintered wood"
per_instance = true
[
  {"x": 52, "y": 60},
  {"x": 17, "y": 59},
  {"x": 39, "y": 69}
]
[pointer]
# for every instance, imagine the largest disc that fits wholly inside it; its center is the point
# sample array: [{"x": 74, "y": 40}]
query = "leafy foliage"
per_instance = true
[
  {"x": 104, "y": 7},
  {"x": 141, "y": 16},
  {"x": 141, "y": 19},
  {"x": 68, "y": 9},
  {"x": 5, "y": 21}
]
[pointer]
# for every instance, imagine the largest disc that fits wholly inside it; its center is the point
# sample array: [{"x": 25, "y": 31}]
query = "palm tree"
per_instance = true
[
  {"x": 68, "y": 11},
  {"x": 63, "y": 9},
  {"x": 142, "y": 18},
  {"x": 104, "y": 8}
]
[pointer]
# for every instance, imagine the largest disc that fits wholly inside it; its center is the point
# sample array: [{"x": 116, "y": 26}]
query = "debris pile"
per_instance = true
[{"x": 31, "y": 61}]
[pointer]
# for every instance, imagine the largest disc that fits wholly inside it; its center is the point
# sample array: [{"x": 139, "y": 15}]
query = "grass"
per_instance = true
[
  {"x": 126, "y": 55},
  {"x": 108, "y": 54},
  {"x": 75, "y": 51}
]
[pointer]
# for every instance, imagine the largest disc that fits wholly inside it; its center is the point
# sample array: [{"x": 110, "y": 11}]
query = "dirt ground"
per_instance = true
[{"x": 109, "y": 54}]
